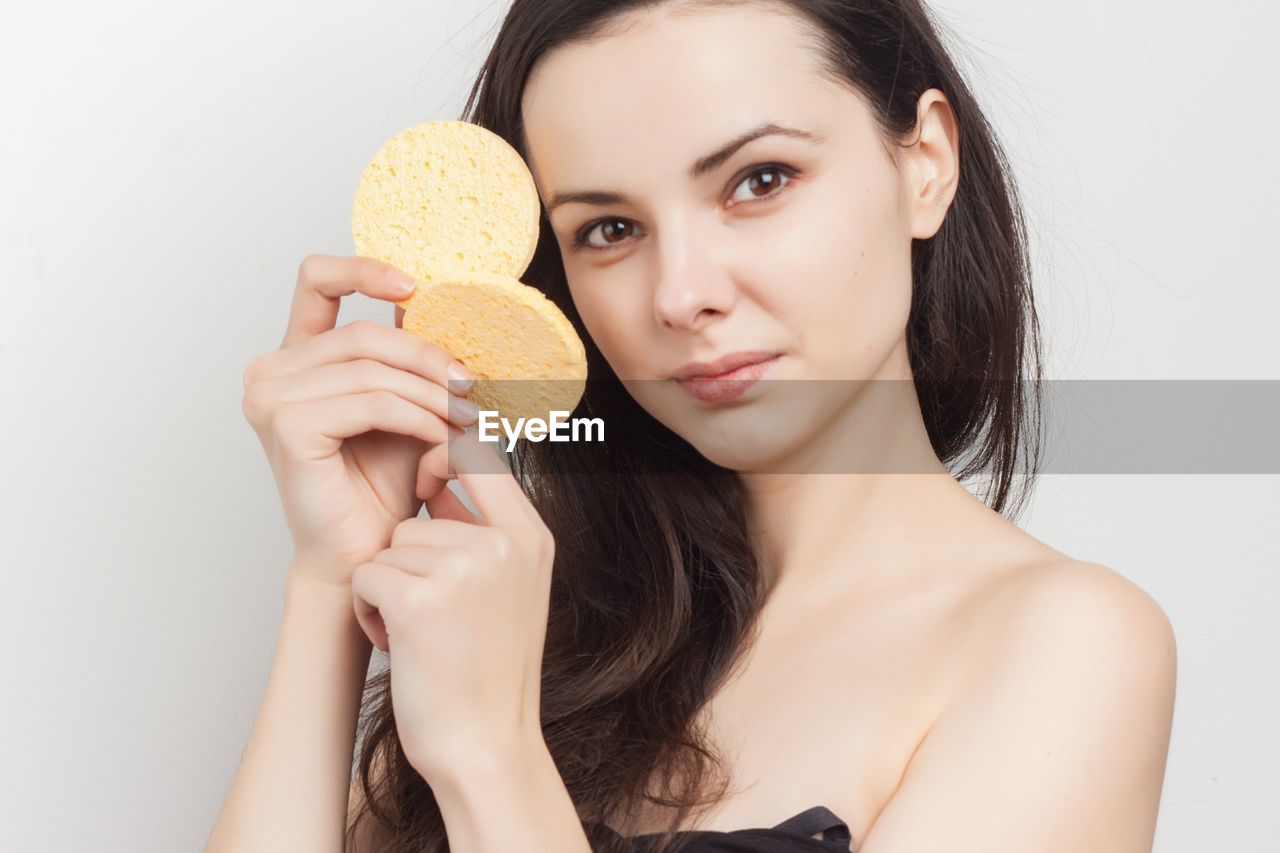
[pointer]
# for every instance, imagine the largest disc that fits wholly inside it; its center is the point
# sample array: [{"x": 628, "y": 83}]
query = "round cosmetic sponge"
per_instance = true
[
  {"x": 525, "y": 354},
  {"x": 446, "y": 197}
]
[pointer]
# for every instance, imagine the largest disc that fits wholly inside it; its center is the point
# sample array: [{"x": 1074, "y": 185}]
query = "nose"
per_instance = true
[{"x": 693, "y": 289}]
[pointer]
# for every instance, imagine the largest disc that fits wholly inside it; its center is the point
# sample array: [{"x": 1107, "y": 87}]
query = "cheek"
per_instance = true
[
  {"x": 848, "y": 269},
  {"x": 611, "y": 323}
]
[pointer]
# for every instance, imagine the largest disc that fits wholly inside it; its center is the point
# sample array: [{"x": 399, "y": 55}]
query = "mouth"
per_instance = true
[
  {"x": 722, "y": 367},
  {"x": 735, "y": 375}
]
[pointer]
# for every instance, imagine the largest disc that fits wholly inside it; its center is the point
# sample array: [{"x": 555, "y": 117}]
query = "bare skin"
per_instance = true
[
  {"x": 835, "y": 698},
  {"x": 934, "y": 675}
]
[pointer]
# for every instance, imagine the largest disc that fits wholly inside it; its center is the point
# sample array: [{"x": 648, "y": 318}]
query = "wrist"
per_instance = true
[
  {"x": 496, "y": 761},
  {"x": 302, "y": 584},
  {"x": 521, "y": 783},
  {"x": 317, "y": 599}
]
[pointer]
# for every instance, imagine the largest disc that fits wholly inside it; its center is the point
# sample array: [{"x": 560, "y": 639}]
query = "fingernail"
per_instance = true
[
  {"x": 458, "y": 373},
  {"x": 467, "y": 411},
  {"x": 400, "y": 281}
]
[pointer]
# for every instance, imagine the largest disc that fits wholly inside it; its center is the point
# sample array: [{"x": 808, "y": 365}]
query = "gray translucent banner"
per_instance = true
[{"x": 1110, "y": 426}]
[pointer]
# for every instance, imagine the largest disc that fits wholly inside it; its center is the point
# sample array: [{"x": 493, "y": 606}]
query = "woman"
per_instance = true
[{"x": 730, "y": 646}]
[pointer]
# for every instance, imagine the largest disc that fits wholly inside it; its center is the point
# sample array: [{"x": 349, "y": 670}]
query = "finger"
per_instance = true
[
  {"x": 375, "y": 587},
  {"x": 432, "y": 532},
  {"x": 353, "y": 377},
  {"x": 435, "y": 563},
  {"x": 399, "y": 321},
  {"x": 446, "y": 504},
  {"x": 367, "y": 339},
  {"x": 488, "y": 482},
  {"x": 432, "y": 488},
  {"x": 315, "y": 429},
  {"x": 322, "y": 282}
]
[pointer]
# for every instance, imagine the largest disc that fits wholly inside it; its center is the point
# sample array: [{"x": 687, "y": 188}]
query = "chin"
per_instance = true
[
  {"x": 749, "y": 438},
  {"x": 757, "y": 454}
]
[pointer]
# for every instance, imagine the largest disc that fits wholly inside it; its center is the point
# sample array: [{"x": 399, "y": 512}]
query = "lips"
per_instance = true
[
  {"x": 722, "y": 367},
  {"x": 730, "y": 384}
]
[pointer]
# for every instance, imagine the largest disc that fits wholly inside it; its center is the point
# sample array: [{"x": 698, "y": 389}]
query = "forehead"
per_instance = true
[{"x": 663, "y": 88}]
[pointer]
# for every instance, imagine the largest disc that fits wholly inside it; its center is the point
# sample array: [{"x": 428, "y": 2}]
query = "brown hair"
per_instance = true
[{"x": 656, "y": 587}]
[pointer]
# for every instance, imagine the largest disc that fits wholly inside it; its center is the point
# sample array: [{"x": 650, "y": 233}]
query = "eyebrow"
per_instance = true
[{"x": 700, "y": 167}]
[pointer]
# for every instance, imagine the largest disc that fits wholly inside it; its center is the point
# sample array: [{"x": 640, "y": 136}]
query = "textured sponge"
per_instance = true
[
  {"x": 455, "y": 206},
  {"x": 526, "y": 356},
  {"x": 447, "y": 196}
]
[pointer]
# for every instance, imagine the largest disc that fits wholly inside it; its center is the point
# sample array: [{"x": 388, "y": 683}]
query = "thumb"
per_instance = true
[{"x": 432, "y": 487}]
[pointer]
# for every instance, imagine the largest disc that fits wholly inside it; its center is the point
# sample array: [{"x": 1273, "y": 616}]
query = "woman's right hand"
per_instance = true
[{"x": 346, "y": 416}]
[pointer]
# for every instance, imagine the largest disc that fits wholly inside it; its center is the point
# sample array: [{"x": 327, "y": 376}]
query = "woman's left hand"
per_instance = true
[{"x": 460, "y": 603}]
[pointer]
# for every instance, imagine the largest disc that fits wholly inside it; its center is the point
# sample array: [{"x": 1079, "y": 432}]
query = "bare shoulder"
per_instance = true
[
  {"x": 1020, "y": 593},
  {"x": 1070, "y": 625},
  {"x": 1071, "y": 608},
  {"x": 1062, "y": 715}
]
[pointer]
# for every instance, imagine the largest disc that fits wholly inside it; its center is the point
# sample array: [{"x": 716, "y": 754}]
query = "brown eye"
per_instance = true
[
  {"x": 765, "y": 182},
  {"x": 609, "y": 229},
  {"x": 766, "y": 185}
]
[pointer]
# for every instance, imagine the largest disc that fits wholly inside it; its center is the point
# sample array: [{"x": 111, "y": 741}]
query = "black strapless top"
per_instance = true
[{"x": 790, "y": 836}]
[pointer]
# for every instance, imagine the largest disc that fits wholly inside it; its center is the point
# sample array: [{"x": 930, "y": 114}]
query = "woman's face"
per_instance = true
[{"x": 792, "y": 244}]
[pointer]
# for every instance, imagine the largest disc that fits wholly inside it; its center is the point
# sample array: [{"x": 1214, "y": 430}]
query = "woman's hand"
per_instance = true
[
  {"x": 345, "y": 416},
  {"x": 460, "y": 603}
]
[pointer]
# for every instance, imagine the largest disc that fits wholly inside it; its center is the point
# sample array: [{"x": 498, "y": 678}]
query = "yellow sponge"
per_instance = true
[
  {"x": 454, "y": 205},
  {"x": 526, "y": 356},
  {"x": 447, "y": 196}
]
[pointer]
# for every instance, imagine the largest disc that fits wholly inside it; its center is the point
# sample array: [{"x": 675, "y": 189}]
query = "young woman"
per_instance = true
[{"x": 778, "y": 622}]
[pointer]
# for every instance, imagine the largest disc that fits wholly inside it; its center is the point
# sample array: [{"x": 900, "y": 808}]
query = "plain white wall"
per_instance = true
[{"x": 165, "y": 166}]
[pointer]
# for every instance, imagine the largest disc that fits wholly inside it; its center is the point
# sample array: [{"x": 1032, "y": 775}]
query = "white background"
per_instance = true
[{"x": 165, "y": 166}]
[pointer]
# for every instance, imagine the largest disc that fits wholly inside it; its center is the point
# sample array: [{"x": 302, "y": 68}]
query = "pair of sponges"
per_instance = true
[{"x": 454, "y": 205}]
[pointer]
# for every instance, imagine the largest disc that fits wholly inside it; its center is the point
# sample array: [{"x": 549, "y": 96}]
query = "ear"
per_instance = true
[{"x": 934, "y": 164}]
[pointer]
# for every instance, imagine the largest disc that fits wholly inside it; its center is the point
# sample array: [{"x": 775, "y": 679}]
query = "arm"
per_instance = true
[
  {"x": 290, "y": 792},
  {"x": 510, "y": 800},
  {"x": 1058, "y": 741}
]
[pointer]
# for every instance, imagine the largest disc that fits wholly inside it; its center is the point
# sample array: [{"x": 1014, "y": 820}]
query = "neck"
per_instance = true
[{"x": 880, "y": 484}]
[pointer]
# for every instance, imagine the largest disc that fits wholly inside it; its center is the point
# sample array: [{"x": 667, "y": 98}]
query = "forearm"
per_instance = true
[
  {"x": 290, "y": 791},
  {"x": 510, "y": 802}
]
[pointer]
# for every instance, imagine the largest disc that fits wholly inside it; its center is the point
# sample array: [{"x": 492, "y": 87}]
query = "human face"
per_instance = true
[{"x": 798, "y": 245}]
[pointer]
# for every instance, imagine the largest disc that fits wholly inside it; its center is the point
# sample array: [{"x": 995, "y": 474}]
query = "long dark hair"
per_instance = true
[{"x": 656, "y": 586}]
